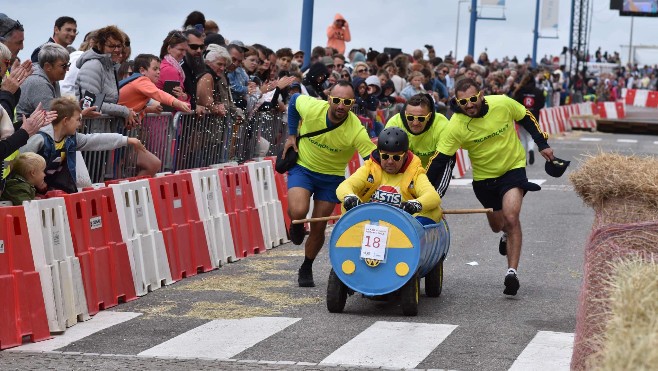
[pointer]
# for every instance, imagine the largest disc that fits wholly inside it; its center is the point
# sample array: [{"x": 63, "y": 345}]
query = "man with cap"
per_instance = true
[
  {"x": 12, "y": 35},
  {"x": 298, "y": 57},
  {"x": 484, "y": 126},
  {"x": 237, "y": 76},
  {"x": 395, "y": 176},
  {"x": 320, "y": 167}
]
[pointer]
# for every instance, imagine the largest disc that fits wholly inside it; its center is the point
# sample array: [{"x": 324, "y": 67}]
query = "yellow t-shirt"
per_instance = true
[
  {"x": 492, "y": 143},
  {"x": 423, "y": 145},
  {"x": 329, "y": 153}
]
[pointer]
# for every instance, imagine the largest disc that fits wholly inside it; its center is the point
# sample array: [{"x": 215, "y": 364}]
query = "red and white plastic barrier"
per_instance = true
[
  {"x": 213, "y": 215},
  {"x": 640, "y": 97},
  {"x": 139, "y": 229},
  {"x": 23, "y": 312},
  {"x": 55, "y": 260}
]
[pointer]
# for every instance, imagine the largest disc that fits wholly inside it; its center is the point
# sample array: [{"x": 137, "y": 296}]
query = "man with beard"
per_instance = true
[
  {"x": 321, "y": 164},
  {"x": 193, "y": 65},
  {"x": 484, "y": 126},
  {"x": 64, "y": 33},
  {"x": 425, "y": 127}
]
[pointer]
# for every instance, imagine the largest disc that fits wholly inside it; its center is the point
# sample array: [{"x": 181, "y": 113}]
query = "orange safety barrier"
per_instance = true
[
  {"x": 22, "y": 309},
  {"x": 241, "y": 210},
  {"x": 181, "y": 226},
  {"x": 98, "y": 244},
  {"x": 281, "y": 181}
]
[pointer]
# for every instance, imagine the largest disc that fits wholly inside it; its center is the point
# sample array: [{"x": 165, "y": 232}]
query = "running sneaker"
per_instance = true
[
  {"x": 502, "y": 245},
  {"x": 305, "y": 277},
  {"x": 297, "y": 233},
  {"x": 511, "y": 283},
  {"x": 531, "y": 157}
]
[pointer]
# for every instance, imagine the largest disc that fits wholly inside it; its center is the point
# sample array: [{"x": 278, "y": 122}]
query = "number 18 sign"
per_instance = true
[{"x": 373, "y": 245}]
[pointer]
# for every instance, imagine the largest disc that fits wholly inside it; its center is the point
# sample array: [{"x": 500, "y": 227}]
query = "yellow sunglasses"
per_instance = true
[
  {"x": 472, "y": 99},
  {"x": 420, "y": 119},
  {"x": 346, "y": 101}
]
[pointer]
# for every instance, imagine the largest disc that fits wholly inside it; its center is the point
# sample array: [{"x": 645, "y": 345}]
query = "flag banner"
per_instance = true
[{"x": 550, "y": 10}]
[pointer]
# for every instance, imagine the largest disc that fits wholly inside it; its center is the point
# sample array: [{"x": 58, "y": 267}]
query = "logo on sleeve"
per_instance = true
[{"x": 388, "y": 195}]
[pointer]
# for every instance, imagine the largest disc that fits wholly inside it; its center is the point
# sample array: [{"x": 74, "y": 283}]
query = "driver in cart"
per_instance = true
[{"x": 403, "y": 182}]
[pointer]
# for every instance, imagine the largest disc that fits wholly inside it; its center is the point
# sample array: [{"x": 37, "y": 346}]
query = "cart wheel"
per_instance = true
[
  {"x": 336, "y": 293},
  {"x": 434, "y": 280},
  {"x": 409, "y": 297}
]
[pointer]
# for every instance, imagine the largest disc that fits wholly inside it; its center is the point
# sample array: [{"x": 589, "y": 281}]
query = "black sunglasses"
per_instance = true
[
  {"x": 16, "y": 26},
  {"x": 396, "y": 158},
  {"x": 196, "y": 46}
]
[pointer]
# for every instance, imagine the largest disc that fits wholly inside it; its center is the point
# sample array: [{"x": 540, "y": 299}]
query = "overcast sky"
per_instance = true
[{"x": 405, "y": 24}]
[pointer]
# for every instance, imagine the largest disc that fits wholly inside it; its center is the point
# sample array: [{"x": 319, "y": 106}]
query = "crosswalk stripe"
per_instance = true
[
  {"x": 461, "y": 182},
  {"x": 546, "y": 351},
  {"x": 99, "y": 322},
  {"x": 391, "y": 344},
  {"x": 590, "y": 139},
  {"x": 626, "y": 140},
  {"x": 221, "y": 339},
  {"x": 468, "y": 181}
]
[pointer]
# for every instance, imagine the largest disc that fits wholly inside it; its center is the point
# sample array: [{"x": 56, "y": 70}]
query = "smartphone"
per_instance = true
[
  {"x": 168, "y": 87},
  {"x": 90, "y": 99}
]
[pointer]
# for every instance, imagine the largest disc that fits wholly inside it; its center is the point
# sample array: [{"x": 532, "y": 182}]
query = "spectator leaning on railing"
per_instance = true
[
  {"x": 98, "y": 73},
  {"x": 212, "y": 89},
  {"x": 172, "y": 52},
  {"x": 136, "y": 90}
]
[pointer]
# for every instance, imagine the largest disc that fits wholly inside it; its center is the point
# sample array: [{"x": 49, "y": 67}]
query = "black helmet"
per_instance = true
[{"x": 393, "y": 139}]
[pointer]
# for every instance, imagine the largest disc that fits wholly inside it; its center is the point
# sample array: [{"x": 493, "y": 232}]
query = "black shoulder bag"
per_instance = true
[{"x": 284, "y": 164}]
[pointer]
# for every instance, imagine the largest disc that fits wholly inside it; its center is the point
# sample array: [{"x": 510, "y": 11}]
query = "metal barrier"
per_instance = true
[{"x": 182, "y": 141}]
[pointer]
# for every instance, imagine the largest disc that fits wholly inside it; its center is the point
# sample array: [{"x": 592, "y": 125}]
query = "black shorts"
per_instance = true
[{"x": 490, "y": 192}]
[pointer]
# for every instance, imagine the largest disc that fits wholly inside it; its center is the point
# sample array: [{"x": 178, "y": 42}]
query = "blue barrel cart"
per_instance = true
[{"x": 376, "y": 249}]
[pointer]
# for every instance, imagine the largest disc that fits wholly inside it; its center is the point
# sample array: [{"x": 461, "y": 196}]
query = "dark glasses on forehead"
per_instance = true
[
  {"x": 472, "y": 99},
  {"x": 420, "y": 119},
  {"x": 16, "y": 26},
  {"x": 346, "y": 101},
  {"x": 396, "y": 158}
]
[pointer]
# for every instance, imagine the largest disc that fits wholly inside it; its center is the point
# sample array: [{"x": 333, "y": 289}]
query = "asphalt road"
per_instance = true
[{"x": 485, "y": 329}]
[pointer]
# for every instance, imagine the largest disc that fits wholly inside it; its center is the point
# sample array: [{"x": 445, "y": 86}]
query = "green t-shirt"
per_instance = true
[
  {"x": 330, "y": 152},
  {"x": 491, "y": 141},
  {"x": 423, "y": 145}
]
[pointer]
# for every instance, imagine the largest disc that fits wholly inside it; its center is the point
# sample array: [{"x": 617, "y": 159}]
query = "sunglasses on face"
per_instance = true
[
  {"x": 472, "y": 99},
  {"x": 196, "y": 46},
  {"x": 339, "y": 66},
  {"x": 6, "y": 62},
  {"x": 420, "y": 119},
  {"x": 346, "y": 101},
  {"x": 345, "y": 76},
  {"x": 362, "y": 70},
  {"x": 396, "y": 158}
]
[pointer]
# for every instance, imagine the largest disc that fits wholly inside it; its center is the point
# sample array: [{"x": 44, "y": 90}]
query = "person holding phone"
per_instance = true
[
  {"x": 172, "y": 52},
  {"x": 97, "y": 75}
]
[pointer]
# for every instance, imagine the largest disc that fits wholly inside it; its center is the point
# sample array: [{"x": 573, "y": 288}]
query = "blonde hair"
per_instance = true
[
  {"x": 414, "y": 75},
  {"x": 65, "y": 107},
  {"x": 27, "y": 162}
]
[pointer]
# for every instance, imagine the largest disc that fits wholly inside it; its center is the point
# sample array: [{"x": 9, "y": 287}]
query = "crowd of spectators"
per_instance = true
[{"x": 200, "y": 71}]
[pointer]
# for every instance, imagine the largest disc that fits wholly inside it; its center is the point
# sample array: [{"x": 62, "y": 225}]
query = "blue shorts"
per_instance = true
[{"x": 322, "y": 186}]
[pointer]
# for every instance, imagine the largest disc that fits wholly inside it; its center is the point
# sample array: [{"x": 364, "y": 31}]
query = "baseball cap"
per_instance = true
[
  {"x": 238, "y": 43},
  {"x": 556, "y": 167},
  {"x": 328, "y": 61},
  {"x": 298, "y": 52}
]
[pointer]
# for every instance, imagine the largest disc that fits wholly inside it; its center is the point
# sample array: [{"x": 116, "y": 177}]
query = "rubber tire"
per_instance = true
[
  {"x": 336, "y": 293},
  {"x": 409, "y": 294},
  {"x": 434, "y": 281}
]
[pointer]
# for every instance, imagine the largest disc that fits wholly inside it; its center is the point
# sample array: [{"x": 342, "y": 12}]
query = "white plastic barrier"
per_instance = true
[
  {"x": 213, "y": 215},
  {"x": 139, "y": 229},
  {"x": 267, "y": 202},
  {"x": 55, "y": 260}
]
